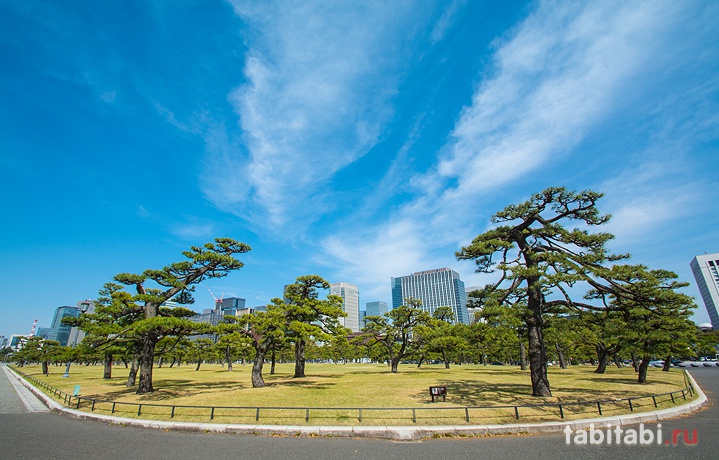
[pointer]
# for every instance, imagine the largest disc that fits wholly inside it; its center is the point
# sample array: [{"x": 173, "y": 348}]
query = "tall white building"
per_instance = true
[
  {"x": 350, "y": 304},
  {"x": 706, "y": 272}
]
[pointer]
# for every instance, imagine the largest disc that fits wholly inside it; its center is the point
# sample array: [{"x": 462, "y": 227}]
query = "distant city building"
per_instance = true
[
  {"x": 706, "y": 272},
  {"x": 209, "y": 315},
  {"x": 350, "y": 304},
  {"x": 376, "y": 308},
  {"x": 42, "y": 332},
  {"x": 58, "y": 331},
  {"x": 76, "y": 334},
  {"x": 705, "y": 327},
  {"x": 16, "y": 341},
  {"x": 3, "y": 341},
  {"x": 362, "y": 318},
  {"x": 473, "y": 312},
  {"x": 231, "y": 304},
  {"x": 435, "y": 288}
]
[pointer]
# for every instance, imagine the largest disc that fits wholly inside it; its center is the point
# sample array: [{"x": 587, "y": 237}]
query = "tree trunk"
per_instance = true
[
  {"x": 522, "y": 356},
  {"x": 445, "y": 359},
  {"x": 617, "y": 362},
  {"x": 159, "y": 362},
  {"x": 643, "y": 369},
  {"x": 228, "y": 358},
  {"x": 603, "y": 359},
  {"x": 299, "y": 359},
  {"x": 635, "y": 362},
  {"x": 199, "y": 362},
  {"x": 132, "y": 376},
  {"x": 667, "y": 364},
  {"x": 394, "y": 364},
  {"x": 274, "y": 359},
  {"x": 538, "y": 357},
  {"x": 45, "y": 369},
  {"x": 421, "y": 360},
  {"x": 560, "y": 352},
  {"x": 147, "y": 360},
  {"x": 107, "y": 366},
  {"x": 257, "y": 380}
]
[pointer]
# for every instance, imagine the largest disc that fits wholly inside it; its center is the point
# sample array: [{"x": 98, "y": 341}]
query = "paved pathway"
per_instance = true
[
  {"x": 47, "y": 435},
  {"x": 15, "y": 398}
]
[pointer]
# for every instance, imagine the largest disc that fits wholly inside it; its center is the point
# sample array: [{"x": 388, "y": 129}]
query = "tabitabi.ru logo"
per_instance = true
[{"x": 631, "y": 436}]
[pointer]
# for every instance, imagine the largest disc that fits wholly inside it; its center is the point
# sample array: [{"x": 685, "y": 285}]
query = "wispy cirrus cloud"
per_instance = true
[
  {"x": 319, "y": 80},
  {"x": 561, "y": 73}
]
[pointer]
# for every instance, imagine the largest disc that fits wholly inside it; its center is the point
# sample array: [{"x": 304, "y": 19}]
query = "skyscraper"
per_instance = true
[
  {"x": 350, "y": 304},
  {"x": 76, "y": 334},
  {"x": 376, "y": 308},
  {"x": 58, "y": 330},
  {"x": 706, "y": 272},
  {"x": 435, "y": 288}
]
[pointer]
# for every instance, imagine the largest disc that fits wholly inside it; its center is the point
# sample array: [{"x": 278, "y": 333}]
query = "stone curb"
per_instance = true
[{"x": 399, "y": 433}]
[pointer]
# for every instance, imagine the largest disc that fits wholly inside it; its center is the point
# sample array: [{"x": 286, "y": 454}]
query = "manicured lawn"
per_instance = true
[{"x": 367, "y": 386}]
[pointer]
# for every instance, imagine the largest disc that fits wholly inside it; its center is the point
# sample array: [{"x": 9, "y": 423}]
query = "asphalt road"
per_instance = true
[{"x": 47, "y": 435}]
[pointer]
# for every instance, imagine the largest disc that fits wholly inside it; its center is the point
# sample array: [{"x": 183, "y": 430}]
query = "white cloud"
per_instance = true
[
  {"x": 319, "y": 82},
  {"x": 396, "y": 249},
  {"x": 192, "y": 230},
  {"x": 650, "y": 194},
  {"x": 558, "y": 75}
]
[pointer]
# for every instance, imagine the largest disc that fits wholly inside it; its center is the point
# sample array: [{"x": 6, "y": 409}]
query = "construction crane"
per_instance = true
[
  {"x": 32, "y": 331},
  {"x": 218, "y": 302}
]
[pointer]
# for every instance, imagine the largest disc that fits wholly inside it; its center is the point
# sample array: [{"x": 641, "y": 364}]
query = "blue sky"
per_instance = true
[{"x": 354, "y": 140}]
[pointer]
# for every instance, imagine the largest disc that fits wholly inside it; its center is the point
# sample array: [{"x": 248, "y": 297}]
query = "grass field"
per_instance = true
[{"x": 367, "y": 386}]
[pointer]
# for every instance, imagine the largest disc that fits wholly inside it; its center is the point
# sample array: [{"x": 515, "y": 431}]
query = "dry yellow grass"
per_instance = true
[{"x": 366, "y": 386}]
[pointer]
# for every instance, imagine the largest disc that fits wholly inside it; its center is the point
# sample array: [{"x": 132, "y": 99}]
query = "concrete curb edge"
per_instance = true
[{"x": 400, "y": 433}]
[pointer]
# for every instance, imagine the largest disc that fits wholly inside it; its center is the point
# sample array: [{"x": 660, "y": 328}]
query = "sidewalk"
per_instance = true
[
  {"x": 404, "y": 433},
  {"x": 28, "y": 399}
]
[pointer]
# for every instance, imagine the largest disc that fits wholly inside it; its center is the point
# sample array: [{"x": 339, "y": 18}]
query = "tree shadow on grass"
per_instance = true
[{"x": 478, "y": 393}]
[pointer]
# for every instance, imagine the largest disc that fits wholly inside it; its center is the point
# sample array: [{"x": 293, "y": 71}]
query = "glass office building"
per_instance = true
[
  {"x": 435, "y": 288},
  {"x": 706, "y": 273}
]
